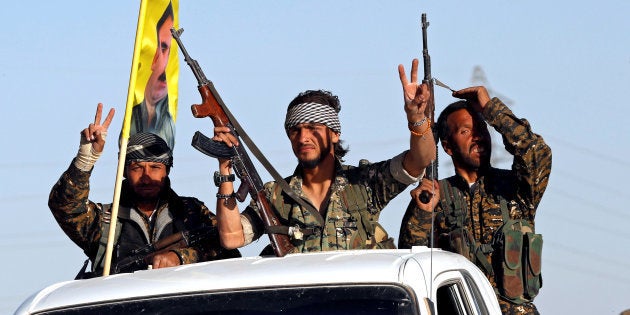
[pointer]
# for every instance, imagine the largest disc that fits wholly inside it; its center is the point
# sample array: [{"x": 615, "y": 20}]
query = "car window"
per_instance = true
[
  {"x": 459, "y": 295},
  {"x": 329, "y": 299}
]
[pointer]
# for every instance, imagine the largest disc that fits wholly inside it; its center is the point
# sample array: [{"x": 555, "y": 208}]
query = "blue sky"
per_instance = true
[{"x": 562, "y": 64}]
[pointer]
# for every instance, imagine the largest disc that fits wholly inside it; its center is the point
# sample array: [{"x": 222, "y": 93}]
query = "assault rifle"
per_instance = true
[
  {"x": 212, "y": 106},
  {"x": 144, "y": 255},
  {"x": 431, "y": 172}
]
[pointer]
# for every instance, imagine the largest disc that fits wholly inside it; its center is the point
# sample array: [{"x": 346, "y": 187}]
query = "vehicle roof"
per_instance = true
[{"x": 356, "y": 266}]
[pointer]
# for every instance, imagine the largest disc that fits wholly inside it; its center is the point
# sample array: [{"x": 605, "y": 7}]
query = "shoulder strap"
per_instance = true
[
  {"x": 356, "y": 203},
  {"x": 453, "y": 203},
  {"x": 102, "y": 244},
  {"x": 505, "y": 213}
]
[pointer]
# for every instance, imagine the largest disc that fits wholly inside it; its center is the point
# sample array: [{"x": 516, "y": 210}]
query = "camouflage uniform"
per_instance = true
[
  {"x": 82, "y": 220},
  {"x": 522, "y": 187},
  {"x": 357, "y": 196}
]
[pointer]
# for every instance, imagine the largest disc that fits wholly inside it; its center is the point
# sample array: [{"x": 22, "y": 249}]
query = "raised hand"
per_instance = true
[
  {"x": 416, "y": 95},
  {"x": 477, "y": 95},
  {"x": 96, "y": 132}
]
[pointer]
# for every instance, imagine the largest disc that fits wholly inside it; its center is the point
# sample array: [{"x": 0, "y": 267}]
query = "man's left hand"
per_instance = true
[
  {"x": 168, "y": 259},
  {"x": 416, "y": 95}
]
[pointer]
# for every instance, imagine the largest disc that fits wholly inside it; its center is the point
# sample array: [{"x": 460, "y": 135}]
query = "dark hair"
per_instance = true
[
  {"x": 168, "y": 12},
  {"x": 325, "y": 98}
]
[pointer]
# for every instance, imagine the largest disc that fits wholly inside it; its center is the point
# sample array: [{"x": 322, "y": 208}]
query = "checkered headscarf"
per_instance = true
[
  {"x": 312, "y": 113},
  {"x": 148, "y": 147}
]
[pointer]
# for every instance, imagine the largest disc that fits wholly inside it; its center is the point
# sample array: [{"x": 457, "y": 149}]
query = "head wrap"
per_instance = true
[
  {"x": 148, "y": 147},
  {"x": 312, "y": 113}
]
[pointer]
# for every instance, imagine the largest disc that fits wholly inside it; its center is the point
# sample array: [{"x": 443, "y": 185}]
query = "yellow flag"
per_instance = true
[
  {"x": 152, "y": 92},
  {"x": 152, "y": 99}
]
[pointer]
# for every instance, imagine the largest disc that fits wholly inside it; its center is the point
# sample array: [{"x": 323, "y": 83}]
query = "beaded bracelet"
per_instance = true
[
  {"x": 417, "y": 123},
  {"x": 422, "y": 133},
  {"x": 226, "y": 197}
]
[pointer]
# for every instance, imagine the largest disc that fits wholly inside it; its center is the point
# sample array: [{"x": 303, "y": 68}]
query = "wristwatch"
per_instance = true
[{"x": 218, "y": 178}]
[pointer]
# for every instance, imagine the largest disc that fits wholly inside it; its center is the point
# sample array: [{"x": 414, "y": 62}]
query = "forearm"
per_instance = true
[
  {"x": 187, "y": 255},
  {"x": 421, "y": 153},
  {"x": 69, "y": 204},
  {"x": 228, "y": 215},
  {"x": 532, "y": 156},
  {"x": 415, "y": 228}
]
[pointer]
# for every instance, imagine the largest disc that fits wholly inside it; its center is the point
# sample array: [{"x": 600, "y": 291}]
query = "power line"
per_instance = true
[{"x": 597, "y": 154}]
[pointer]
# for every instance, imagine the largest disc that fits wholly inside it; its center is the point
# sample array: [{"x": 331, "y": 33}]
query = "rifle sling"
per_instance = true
[{"x": 267, "y": 165}]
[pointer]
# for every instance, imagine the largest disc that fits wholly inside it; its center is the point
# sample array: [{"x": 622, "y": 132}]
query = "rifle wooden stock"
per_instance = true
[
  {"x": 210, "y": 106},
  {"x": 213, "y": 106},
  {"x": 279, "y": 242}
]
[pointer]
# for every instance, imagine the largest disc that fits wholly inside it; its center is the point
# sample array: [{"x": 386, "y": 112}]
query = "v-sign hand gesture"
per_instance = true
[
  {"x": 96, "y": 132},
  {"x": 416, "y": 95}
]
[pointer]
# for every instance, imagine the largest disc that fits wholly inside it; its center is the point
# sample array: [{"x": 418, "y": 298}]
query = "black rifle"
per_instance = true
[
  {"x": 144, "y": 255},
  {"x": 212, "y": 106},
  {"x": 431, "y": 172}
]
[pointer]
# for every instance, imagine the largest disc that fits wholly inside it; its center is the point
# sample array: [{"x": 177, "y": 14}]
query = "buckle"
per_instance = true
[{"x": 296, "y": 233}]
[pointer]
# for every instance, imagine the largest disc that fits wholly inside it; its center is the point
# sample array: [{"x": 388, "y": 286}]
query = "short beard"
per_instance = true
[
  {"x": 153, "y": 197},
  {"x": 311, "y": 164}
]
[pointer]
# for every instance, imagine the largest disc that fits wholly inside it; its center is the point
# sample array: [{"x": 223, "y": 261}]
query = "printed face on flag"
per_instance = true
[
  {"x": 154, "y": 106},
  {"x": 156, "y": 88}
]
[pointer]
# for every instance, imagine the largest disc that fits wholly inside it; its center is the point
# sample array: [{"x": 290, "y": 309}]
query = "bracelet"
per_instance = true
[
  {"x": 422, "y": 133},
  {"x": 418, "y": 123},
  {"x": 226, "y": 197}
]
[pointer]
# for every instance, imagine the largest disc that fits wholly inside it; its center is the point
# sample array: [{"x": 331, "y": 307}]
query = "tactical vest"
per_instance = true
[
  {"x": 515, "y": 248},
  {"x": 355, "y": 198}
]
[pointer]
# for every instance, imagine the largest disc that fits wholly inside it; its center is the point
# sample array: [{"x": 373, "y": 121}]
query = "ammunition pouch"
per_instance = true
[{"x": 519, "y": 278}]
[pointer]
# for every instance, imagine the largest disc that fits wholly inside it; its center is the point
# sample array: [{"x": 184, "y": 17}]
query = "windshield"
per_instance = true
[{"x": 332, "y": 299}]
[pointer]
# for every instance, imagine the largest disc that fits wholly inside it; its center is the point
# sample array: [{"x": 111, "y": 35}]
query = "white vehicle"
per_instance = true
[{"x": 416, "y": 281}]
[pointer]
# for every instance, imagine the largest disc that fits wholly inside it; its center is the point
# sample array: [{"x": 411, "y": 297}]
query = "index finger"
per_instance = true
[
  {"x": 403, "y": 76},
  {"x": 99, "y": 111}
]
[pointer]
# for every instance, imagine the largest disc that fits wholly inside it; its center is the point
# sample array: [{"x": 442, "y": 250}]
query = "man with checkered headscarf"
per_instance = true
[
  {"x": 346, "y": 200},
  {"x": 149, "y": 209}
]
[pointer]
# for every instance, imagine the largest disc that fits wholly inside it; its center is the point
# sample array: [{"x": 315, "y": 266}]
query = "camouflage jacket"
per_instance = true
[
  {"x": 522, "y": 187},
  {"x": 356, "y": 198},
  {"x": 83, "y": 220}
]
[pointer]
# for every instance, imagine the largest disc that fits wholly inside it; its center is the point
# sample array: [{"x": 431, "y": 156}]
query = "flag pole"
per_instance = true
[{"x": 124, "y": 139}]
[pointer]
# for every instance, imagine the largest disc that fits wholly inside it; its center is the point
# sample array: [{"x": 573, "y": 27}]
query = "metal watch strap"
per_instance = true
[{"x": 218, "y": 178}]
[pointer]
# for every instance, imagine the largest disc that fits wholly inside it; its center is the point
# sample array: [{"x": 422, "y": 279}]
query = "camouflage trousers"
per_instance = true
[{"x": 508, "y": 308}]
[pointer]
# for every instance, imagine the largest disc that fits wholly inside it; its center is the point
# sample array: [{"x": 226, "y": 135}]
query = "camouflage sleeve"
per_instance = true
[
  {"x": 415, "y": 227},
  {"x": 381, "y": 184},
  {"x": 532, "y": 156},
  {"x": 79, "y": 217}
]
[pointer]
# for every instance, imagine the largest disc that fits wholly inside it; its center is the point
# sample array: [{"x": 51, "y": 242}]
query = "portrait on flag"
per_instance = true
[{"x": 155, "y": 92}]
